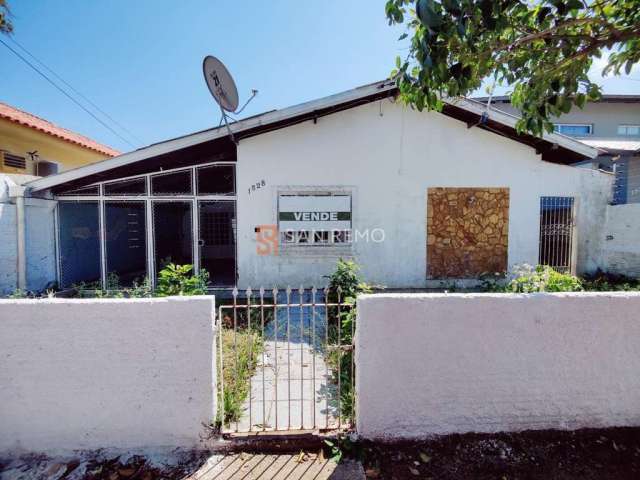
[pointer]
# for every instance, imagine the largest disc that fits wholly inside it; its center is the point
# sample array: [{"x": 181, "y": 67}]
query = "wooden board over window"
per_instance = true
[{"x": 467, "y": 232}]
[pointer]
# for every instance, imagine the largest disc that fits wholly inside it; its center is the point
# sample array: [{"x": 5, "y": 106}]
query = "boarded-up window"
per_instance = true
[{"x": 467, "y": 232}]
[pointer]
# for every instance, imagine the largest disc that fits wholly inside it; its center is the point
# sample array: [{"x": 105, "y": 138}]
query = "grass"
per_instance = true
[{"x": 240, "y": 353}]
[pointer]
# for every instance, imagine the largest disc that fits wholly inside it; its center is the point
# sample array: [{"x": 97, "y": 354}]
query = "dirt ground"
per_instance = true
[{"x": 583, "y": 454}]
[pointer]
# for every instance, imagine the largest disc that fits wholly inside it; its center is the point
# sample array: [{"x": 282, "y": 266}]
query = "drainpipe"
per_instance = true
[{"x": 17, "y": 191}]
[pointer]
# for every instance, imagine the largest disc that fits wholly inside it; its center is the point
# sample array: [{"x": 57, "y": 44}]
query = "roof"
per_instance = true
[
  {"x": 613, "y": 145},
  {"x": 464, "y": 109},
  {"x": 31, "y": 121},
  {"x": 605, "y": 98}
]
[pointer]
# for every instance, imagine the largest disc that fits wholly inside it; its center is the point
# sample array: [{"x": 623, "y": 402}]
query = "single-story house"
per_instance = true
[{"x": 416, "y": 198}]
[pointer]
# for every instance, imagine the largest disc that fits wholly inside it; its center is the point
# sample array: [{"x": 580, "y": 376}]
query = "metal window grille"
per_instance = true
[
  {"x": 285, "y": 361},
  {"x": 79, "y": 243},
  {"x": 556, "y": 232},
  {"x": 216, "y": 228}
]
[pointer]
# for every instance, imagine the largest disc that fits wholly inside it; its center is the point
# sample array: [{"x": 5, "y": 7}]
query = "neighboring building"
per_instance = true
[
  {"x": 34, "y": 146},
  {"x": 416, "y": 198},
  {"x": 612, "y": 125}
]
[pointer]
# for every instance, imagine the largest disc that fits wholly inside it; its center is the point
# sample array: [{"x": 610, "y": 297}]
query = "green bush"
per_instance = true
[
  {"x": 608, "y": 282},
  {"x": 543, "y": 279},
  {"x": 178, "y": 280}
]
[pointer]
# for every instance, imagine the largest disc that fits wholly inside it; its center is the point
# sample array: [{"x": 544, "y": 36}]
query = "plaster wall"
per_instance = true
[
  {"x": 621, "y": 246},
  {"x": 431, "y": 364},
  {"x": 100, "y": 373}
]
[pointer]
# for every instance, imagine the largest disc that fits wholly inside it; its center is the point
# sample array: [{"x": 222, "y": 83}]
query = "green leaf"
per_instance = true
[
  {"x": 424, "y": 457},
  {"x": 426, "y": 12},
  {"x": 542, "y": 14}
]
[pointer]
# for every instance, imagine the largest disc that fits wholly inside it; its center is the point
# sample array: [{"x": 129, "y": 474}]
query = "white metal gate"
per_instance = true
[
  {"x": 285, "y": 361},
  {"x": 556, "y": 246}
]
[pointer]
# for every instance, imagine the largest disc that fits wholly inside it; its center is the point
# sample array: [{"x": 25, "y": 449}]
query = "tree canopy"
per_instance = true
[
  {"x": 543, "y": 50},
  {"x": 5, "y": 24}
]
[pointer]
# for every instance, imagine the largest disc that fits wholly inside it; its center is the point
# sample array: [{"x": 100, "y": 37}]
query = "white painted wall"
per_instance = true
[
  {"x": 8, "y": 249},
  {"x": 105, "y": 372},
  {"x": 40, "y": 240},
  {"x": 388, "y": 156},
  {"x": 437, "y": 364},
  {"x": 621, "y": 247},
  {"x": 604, "y": 116}
]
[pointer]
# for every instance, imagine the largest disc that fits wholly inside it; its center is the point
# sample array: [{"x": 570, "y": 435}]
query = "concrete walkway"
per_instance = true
[{"x": 290, "y": 390}]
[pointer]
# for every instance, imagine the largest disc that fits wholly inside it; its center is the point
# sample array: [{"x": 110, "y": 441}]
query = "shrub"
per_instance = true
[
  {"x": 543, "y": 279},
  {"x": 607, "y": 282},
  {"x": 178, "y": 280}
]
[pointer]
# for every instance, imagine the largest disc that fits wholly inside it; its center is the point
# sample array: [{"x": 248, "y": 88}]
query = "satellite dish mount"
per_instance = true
[{"x": 223, "y": 89}]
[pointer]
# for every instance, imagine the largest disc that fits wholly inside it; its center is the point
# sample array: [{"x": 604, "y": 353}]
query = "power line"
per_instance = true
[
  {"x": 66, "y": 94},
  {"x": 113, "y": 120}
]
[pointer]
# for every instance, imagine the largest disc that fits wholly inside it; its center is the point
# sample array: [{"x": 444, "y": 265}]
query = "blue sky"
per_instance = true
[{"x": 140, "y": 61}]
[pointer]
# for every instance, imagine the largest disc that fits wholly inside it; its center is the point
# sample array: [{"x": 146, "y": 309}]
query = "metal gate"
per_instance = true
[
  {"x": 557, "y": 220},
  {"x": 285, "y": 361}
]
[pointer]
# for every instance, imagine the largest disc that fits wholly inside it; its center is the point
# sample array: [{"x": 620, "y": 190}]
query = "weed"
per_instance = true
[
  {"x": 240, "y": 352},
  {"x": 178, "y": 280}
]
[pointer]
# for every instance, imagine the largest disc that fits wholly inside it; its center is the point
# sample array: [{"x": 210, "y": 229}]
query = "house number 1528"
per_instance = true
[{"x": 256, "y": 186}]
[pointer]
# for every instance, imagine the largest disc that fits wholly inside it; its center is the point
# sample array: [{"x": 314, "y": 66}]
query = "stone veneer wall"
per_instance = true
[{"x": 467, "y": 231}]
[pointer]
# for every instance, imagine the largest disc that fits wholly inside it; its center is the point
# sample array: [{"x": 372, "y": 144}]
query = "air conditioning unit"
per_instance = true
[{"x": 44, "y": 168}]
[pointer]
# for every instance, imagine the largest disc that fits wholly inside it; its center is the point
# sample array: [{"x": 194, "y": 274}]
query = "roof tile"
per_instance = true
[{"x": 27, "y": 119}]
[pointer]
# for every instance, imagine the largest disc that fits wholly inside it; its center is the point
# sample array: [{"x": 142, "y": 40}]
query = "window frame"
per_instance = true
[
  {"x": 558, "y": 126},
  {"x": 626, "y": 126}
]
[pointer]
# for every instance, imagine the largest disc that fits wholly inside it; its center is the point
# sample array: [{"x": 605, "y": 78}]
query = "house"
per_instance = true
[
  {"x": 416, "y": 198},
  {"x": 30, "y": 145},
  {"x": 612, "y": 125}
]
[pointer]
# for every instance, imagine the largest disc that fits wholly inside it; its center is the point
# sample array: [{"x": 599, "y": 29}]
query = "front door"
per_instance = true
[{"x": 217, "y": 241}]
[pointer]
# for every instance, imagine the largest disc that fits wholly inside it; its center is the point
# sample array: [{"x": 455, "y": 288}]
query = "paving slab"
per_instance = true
[{"x": 243, "y": 466}]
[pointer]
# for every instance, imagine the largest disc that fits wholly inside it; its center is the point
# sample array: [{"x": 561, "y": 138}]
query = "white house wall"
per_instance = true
[{"x": 388, "y": 156}]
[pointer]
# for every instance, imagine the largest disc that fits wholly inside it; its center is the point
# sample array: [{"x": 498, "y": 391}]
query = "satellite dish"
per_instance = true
[{"x": 220, "y": 83}]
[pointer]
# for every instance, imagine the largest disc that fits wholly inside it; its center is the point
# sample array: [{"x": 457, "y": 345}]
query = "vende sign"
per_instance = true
[{"x": 314, "y": 211}]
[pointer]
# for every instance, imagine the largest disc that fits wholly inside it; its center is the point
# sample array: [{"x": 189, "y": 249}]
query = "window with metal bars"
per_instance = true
[{"x": 556, "y": 233}]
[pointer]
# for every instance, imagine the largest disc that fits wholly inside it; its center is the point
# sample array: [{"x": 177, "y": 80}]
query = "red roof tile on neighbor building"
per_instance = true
[{"x": 28, "y": 120}]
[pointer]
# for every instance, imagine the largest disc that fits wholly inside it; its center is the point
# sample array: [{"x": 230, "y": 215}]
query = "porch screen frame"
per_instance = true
[{"x": 148, "y": 200}]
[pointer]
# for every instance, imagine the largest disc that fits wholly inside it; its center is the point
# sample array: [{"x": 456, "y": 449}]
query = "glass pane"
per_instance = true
[
  {"x": 172, "y": 234},
  {"x": 79, "y": 240},
  {"x": 172, "y": 183},
  {"x": 125, "y": 233},
  {"x": 92, "y": 190},
  {"x": 218, "y": 241},
  {"x": 574, "y": 130},
  {"x": 136, "y": 186},
  {"x": 216, "y": 180}
]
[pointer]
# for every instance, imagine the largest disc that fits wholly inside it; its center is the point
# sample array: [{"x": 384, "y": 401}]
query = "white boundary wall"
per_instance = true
[
  {"x": 445, "y": 363},
  {"x": 621, "y": 245},
  {"x": 105, "y": 372}
]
